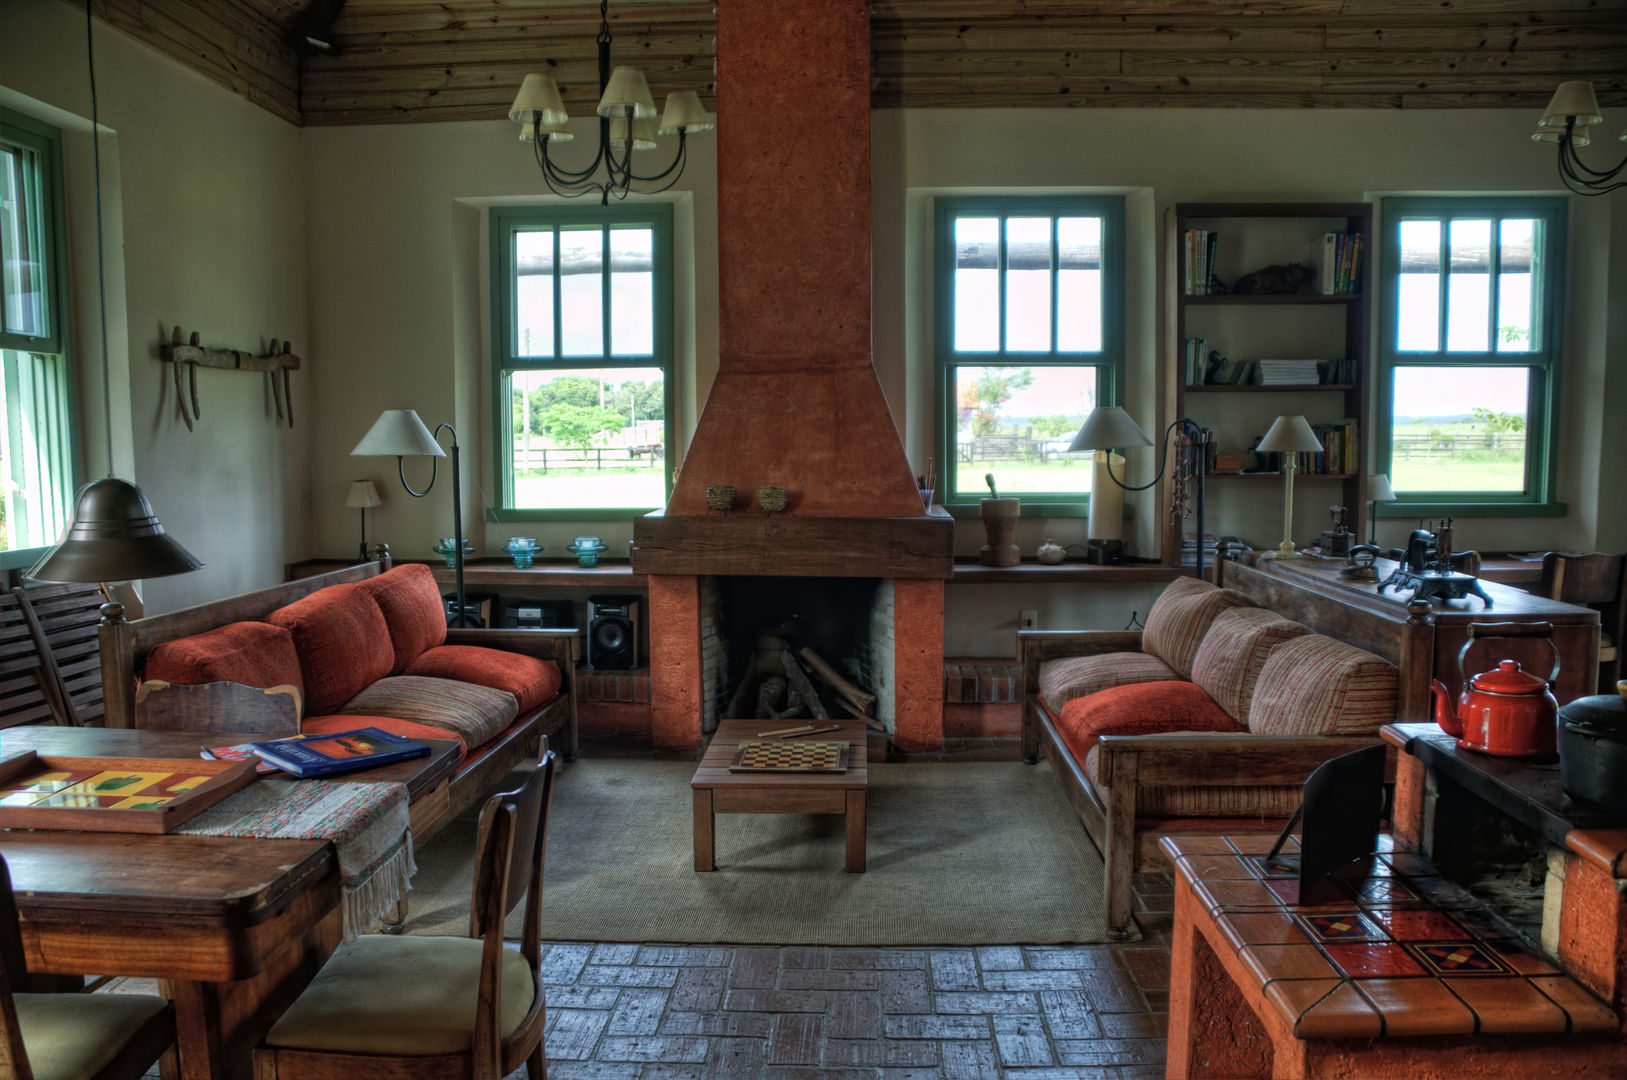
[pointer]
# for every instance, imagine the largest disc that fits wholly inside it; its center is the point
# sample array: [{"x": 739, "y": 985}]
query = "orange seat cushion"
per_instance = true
[
  {"x": 251, "y": 653},
  {"x": 1153, "y": 708},
  {"x": 333, "y": 725},
  {"x": 342, "y": 641},
  {"x": 411, "y": 603},
  {"x": 532, "y": 682}
]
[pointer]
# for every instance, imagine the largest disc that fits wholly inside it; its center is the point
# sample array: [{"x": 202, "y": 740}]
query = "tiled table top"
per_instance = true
[{"x": 1402, "y": 952}]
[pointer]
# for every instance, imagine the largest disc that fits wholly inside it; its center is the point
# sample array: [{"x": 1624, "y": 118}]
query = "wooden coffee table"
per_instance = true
[{"x": 719, "y": 791}]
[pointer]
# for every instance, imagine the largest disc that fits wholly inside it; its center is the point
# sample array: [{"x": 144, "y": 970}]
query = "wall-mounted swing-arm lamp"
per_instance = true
[{"x": 1109, "y": 427}]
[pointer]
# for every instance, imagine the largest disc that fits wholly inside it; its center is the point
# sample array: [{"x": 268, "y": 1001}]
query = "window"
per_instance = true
[
  {"x": 36, "y": 420},
  {"x": 1030, "y": 338},
  {"x": 1469, "y": 354},
  {"x": 582, "y": 330}
]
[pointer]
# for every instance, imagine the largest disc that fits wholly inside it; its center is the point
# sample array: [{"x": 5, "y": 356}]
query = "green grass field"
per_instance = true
[
  {"x": 1020, "y": 477},
  {"x": 563, "y": 489}
]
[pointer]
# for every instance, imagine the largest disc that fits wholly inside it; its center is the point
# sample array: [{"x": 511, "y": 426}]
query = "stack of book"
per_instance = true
[
  {"x": 1288, "y": 373},
  {"x": 1196, "y": 361},
  {"x": 1200, "y": 262},
  {"x": 1189, "y": 548},
  {"x": 1341, "y": 264}
]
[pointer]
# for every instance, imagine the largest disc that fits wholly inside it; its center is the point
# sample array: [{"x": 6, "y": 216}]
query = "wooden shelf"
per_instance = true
[
  {"x": 609, "y": 574},
  {"x": 1250, "y": 388},
  {"x": 1226, "y": 299},
  {"x": 971, "y": 572},
  {"x": 1277, "y": 476}
]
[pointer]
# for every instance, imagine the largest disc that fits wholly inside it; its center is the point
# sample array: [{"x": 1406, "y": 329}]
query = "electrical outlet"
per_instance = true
[{"x": 1028, "y": 620}]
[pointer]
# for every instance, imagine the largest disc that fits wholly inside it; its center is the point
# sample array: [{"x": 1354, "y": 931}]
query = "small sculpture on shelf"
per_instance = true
[{"x": 1281, "y": 280}]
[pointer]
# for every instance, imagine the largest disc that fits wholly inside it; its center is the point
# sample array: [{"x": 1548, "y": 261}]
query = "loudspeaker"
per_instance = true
[{"x": 613, "y": 632}]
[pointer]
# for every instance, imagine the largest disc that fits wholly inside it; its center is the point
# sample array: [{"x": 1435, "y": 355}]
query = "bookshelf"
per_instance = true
[{"x": 1248, "y": 328}]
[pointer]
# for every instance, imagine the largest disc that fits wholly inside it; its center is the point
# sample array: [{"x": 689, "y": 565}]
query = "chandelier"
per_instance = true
[
  {"x": 1573, "y": 110},
  {"x": 625, "y": 112}
]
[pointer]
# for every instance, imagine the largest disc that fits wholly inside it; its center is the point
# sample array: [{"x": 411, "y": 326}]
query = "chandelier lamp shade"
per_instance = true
[
  {"x": 626, "y": 111},
  {"x": 1573, "y": 110}
]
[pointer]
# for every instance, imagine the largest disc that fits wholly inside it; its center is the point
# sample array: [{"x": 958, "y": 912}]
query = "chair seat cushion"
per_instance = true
[
  {"x": 1060, "y": 681},
  {"x": 1314, "y": 685},
  {"x": 403, "y": 996},
  {"x": 251, "y": 653},
  {"x": 1234, "y": 651},
  {"x": 1140, "y": 709},
  {"x": 75, "y": 1036},
  {"x": 532, "y": 682},
  {"x": 411, "y": 603},
  {"x": 1261, "y": 801},
  {"x": 1181, "y": 616},
  {"x": 335, "y": 723},
  {"x": 342, "y": 640},
  {"x": 476, "y": 714}
]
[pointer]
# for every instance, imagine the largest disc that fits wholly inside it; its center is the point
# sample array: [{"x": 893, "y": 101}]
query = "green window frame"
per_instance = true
[
  {"x": 512, "y": 358},
  {"x": 38, "y": 463},
  {"x": 1002, "y": 344},
  {"x": 1484, "y": 357}
]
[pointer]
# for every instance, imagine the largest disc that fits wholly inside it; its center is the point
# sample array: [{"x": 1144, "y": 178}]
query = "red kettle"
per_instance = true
[{"x": 1506, "y": 712}]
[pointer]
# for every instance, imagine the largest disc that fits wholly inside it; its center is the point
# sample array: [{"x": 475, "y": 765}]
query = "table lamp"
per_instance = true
[
  {"x": 1109, "y": 427},
  {"x": 1290, "y": 436},
  {"x": 1378, "y": 490},
  {"x": 362, "y": 495}
]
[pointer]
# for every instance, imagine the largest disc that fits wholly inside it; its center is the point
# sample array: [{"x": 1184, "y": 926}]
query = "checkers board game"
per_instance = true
[
  {"x": 112, "y": 794},
  {"x": 790, "y": 756}
]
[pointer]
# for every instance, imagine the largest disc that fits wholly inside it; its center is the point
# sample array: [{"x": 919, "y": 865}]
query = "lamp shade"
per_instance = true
[
  {"x": 643, "y": 137},
  {"x": 685, "y": 113},
  {"x": 552, "y": 132},
  {"x": 362, "y": 495},
  {"x": 1379, "y": 489},
  {"x": 1108, "y": 427},
  {"x": 1573, "y": 99},
  {"x": 1290, "y": 434},
  {"x": 1579, "y": 135},
  {"x": 538, "y": 99},
  {"x": 114, "y": 536},
  {"x": 398, "y": 433},
  {"x": 627, "y": 94}
]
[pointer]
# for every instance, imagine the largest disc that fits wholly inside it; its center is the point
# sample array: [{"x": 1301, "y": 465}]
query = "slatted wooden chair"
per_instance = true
[
  {"x": 74, "y": 1036},
  {"x": 65, "y": 620},
  {"x": 30, "y": 692},
  {"x": 1596, "y": 580},
  {"x": 436, "y": 1008}
]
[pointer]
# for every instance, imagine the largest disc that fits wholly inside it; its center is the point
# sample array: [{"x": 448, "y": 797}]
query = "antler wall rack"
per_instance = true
[{"x": 274, "y": 360}]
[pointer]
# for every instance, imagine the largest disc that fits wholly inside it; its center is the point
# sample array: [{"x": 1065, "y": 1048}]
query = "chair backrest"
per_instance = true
[
  {"x": 66, "y": 621},
  {"x": 217, "y": 706},
  {"x": 1582, "y": 578},
  {"x": 13, "y": 977}
]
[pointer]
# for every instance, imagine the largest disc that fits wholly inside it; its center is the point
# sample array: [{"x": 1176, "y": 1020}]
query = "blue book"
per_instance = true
[{"x": 345, "y": 751}]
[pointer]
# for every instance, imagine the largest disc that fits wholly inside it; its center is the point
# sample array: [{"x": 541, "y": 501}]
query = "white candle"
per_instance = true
[{"x": 1106, "y": 499}]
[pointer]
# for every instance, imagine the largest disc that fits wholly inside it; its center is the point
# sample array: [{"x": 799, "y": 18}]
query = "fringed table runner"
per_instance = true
[{"x": 367, "y": 823}]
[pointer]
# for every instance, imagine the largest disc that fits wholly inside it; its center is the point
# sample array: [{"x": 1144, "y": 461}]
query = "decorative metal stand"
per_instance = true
[{"x": 1428, "y": 584}]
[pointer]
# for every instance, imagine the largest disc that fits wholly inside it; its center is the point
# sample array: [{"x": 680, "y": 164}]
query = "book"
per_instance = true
[
  {"x": 240, "y": 752},
  {"x": 1330, "y": 246},
  {"x": 341, "y": 752}
]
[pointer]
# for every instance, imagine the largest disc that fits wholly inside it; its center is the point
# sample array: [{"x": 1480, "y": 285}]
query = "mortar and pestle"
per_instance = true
[{"x": 1000, "y": 522}]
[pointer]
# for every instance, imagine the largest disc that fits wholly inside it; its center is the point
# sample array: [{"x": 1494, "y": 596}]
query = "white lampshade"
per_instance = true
[
  {"x": 554, "y": 132},
  {"x": 1379, "y": 489},
  {"x": 362, "y": 495},
  {"x": 398, "y": 433},
  {"x": 685, "y": 113},
  {"x": 643, "y": 137},
  {"x": 1108, "y": 427},
  {"x": 1290, "y": 434},
  {"x": 538, "y": 99},
  {"x": 627, "y": 94},
  {"x": 1572, "y": 99},
  {"x": 1579, "y": 135}
]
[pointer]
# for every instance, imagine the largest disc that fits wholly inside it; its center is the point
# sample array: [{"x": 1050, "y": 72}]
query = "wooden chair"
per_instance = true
[
  {"x": 436, "y": 1008},
  {"x": 74, "y": 1036},
  {"x": 217, "y": 706},
  {"x": 1595, "y": 580}
]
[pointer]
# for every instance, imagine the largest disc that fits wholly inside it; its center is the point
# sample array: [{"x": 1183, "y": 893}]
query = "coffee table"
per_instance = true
[{"x": 719, "y": 791}]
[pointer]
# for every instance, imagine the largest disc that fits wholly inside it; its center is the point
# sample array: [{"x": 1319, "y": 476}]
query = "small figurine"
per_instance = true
[{"x": 1282, "y": 280}]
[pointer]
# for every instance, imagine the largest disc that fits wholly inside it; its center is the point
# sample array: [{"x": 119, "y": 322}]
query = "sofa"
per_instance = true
[
  {"x": 1210, "y": 718},
  {"x": 363, "y": 647}
]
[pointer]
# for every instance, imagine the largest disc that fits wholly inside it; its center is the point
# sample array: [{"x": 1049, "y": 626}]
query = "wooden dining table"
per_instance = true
[{"x": 232, "y": 928}]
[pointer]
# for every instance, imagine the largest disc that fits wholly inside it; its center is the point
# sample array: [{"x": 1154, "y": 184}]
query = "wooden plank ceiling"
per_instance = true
[{"x": 400, "y": 61}]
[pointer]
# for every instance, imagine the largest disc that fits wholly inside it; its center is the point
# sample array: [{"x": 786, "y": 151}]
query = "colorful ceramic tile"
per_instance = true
[
  {"x": 1341, "y": 926},
  {"x": 1282, "y": 866},
  {"x": 1285, "y": 890},
  {"x": 1418, "y": 1007},
  {"x": 1459, "y": 958},
  {"x": 142, "y": 802},
  {"x": 74, "y": 800},
  {"x": 1382, "y": 890},
  {"x": 1373, "y": 960},
  {"x": 1419, "y": 924},
  {"x": 185, "y": 783},
  {"x": 46, "y": 782},
  {"x": 121, "y": 782},
  {"x": 22, "y": 798}
]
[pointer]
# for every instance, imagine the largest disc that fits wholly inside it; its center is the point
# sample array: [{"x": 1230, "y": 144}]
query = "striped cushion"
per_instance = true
[
  {"x": 1060, "y": 681},
  {"x": 1264, "y": 801},
  {"x": 1181, "y": 616},
  {"x": 1314, "y": 685},
  {"x": 1235, "y": 649},
  {"x": 477, "y": 714}
]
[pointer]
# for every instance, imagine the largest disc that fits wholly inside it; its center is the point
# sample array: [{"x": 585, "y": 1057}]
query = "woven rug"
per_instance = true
[{"x": 979, "y": 853}]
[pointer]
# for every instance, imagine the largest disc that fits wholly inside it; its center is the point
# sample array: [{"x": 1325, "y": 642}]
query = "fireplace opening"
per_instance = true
[{"x": 1499, "y": 859}]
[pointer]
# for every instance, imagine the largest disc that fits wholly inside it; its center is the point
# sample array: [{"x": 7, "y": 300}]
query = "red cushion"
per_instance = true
[
  {"x": 530, "y": 680},
  {"x": 251, "y": 653},
  {"x": 332, "y": 725},
  {"x": 1139, "y": 709},
  {"x": 342, "y": 641},
  {"x": 411, "y": 603}
]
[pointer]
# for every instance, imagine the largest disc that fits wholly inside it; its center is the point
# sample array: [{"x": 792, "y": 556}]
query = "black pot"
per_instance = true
[{"x": 1593, "y": 751}]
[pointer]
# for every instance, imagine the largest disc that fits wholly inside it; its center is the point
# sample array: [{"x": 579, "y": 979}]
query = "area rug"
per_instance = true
[{"x": 976, "y": 853}]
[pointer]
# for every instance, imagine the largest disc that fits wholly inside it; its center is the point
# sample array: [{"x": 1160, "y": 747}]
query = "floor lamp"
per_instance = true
[
  {"x": 1289, "y": 436},
  {"x": 398, "y": 433},
  {"x": 1110, "y": 428}
]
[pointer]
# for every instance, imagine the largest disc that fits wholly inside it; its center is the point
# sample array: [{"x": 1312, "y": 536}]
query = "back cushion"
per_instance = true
[
  {"x": 1060, "y": 681},
  {"x": 1314, "y": 685},
  {"x": 251, "y": 653},
  {"x": 1145, "y": 709},
  {"x": 342, "y": 641},
  {"x": 411, "y": 603},
  {"x": 1177, "y": 622},
  {"x": 1234, "y": 651}
]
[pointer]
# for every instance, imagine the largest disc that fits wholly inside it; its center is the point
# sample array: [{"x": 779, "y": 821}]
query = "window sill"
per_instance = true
[
  {"x": 510, "y": 516},
  {"x": 1469, "y": 508},
  {"x": 972, "y": 511}
]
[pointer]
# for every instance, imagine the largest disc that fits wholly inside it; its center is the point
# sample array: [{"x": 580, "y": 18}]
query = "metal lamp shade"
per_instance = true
[
  {"x": 114, "y": 536},
  {"x": 398, "y": 433},
  {"x": 1108, "y": 428}
]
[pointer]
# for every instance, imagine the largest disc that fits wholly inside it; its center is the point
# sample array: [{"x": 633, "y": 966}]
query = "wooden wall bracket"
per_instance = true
[{"x": 275, "y": 362}]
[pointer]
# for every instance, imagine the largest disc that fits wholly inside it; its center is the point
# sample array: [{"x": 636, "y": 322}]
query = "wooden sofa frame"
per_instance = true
[
  {"x": 1129, "y": 844},
  {"x": 125, "y": 645}
]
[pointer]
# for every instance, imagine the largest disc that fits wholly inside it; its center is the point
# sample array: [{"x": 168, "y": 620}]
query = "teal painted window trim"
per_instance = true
[
  {"x": 1108, "y": 361},
  {"x": 505, "y": 222},
  {"x": 1542, "y": 363}
]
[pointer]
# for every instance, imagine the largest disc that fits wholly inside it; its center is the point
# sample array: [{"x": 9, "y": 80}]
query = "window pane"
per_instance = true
[
  {"x": 1017, "y": 422},
  {"x": 581, "y": 292},
  {"x": 977, "y": 284},
  {"x": 25, "y": 265},
  {"x": 1516, "y": 274},
  {"x": 1468, "y": 290},
  {"x": 1418, "y": 327},
  {"x": 34, "y": 450},
  {"x": 587, "y": 437},
  {"x": 632, "y": 292},
  {"x": 1460, "y": 429},
  {"x": 534, "y": 293},
  {"x": 1079, "y": 285},
  {"x": 1028, "y": 284}
]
